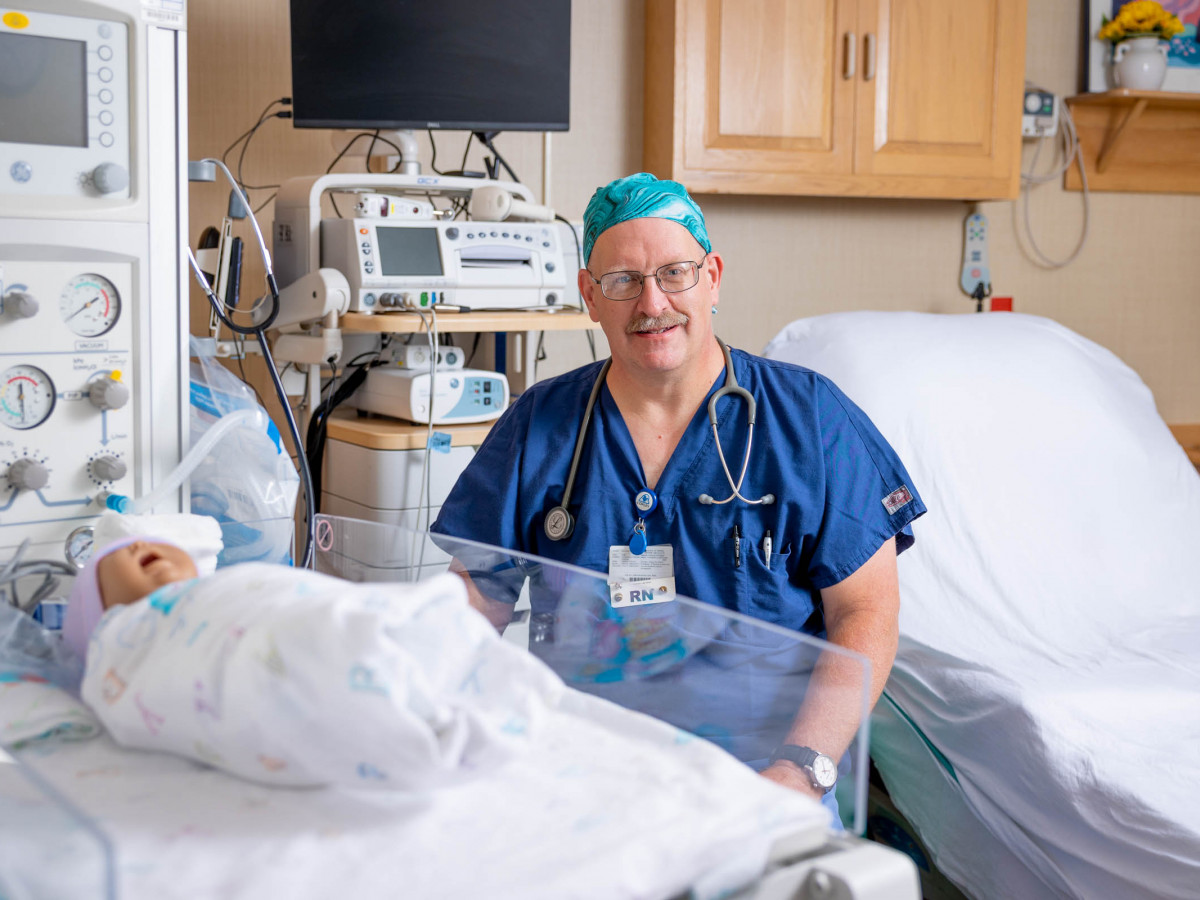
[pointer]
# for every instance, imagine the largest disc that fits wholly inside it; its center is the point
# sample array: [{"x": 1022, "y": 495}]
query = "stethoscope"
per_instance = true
[{"x": 559, "y": 523}]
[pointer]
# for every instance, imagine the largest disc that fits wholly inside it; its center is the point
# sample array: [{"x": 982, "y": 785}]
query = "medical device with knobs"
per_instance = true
[
  {"x": 106, "y": 392},
  {"x": 296, "y": 247},
  {"x": 28, "y": 474},
  {"x": 90, "y": 250},
  {"x": 108, "y": 468},
  {"x": 108, "y": 178},
  {"x": 20, "y": 305}
]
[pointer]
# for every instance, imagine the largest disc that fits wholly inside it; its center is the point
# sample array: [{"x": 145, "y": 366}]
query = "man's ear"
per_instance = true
[
  {"x": 714, "y": 268},
  {"x": 587, "y": 287}
]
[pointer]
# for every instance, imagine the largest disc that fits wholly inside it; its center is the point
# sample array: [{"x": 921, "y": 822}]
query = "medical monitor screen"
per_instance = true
[
  {"x": 43, "y": 90},
  {"x": 473, "y": 65},
  {"x": 408, "y": 251}
]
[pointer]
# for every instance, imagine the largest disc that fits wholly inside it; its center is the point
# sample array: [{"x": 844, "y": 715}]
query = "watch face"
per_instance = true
[{"x": 824, "y": 770}]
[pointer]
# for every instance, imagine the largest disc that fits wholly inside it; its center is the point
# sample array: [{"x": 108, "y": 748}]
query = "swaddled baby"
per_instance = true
[{"x": 289, "y": 677}]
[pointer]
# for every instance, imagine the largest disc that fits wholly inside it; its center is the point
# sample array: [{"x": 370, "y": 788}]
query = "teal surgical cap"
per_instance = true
[{"x": 641, "y": 196}]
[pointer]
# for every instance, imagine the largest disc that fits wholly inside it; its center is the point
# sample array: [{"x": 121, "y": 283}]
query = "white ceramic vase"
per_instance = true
[{"x": 1140, "y": 63}]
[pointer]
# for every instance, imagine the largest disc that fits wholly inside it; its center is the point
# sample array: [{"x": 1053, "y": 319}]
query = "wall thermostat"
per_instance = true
[{"x": 1040, "y": 114}]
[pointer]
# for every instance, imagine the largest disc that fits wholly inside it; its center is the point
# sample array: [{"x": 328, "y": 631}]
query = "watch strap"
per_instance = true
[
  {"x": 803, "y": 757},
  {"x": 794, "y": 753}
]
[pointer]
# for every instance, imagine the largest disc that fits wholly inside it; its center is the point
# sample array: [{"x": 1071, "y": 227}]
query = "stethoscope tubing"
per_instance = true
[{"x": 559, "y": 524}]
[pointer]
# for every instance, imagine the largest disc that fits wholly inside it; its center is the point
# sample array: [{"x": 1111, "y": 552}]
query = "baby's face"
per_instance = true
[{"x": 131, "y": 572}]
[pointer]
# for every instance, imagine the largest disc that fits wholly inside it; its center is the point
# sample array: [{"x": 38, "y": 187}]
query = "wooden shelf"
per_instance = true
[
  {"x": 406, "y": 322},
  {"x": 1137, "y": 141},
  {"x": 392, "y": 434}
]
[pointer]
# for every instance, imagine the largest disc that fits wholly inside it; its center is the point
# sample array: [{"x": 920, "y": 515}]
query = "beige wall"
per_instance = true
[{"x": 1133, "y": 288}]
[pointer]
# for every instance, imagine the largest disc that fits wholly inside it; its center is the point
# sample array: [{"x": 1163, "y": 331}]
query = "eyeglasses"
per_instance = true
[{"x": 672, "y": 278}]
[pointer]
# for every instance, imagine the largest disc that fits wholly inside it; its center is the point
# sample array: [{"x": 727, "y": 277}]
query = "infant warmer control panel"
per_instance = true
[{"x": 66, "y": 374}]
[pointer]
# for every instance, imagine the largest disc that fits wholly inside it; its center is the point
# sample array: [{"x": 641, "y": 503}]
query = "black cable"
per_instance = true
[
  {"x": 578, "y": 254},
  {"x": 474, "y": 349},
  {"x": 282, "y": 114},
  {"x": 433, "y": 149},
  {"x": 262, "y": 116},
  {"x": 350, "y": 143},
  {"x": 485, "y": 138},
  {"x": 466, "y": 150},
  {"x": 319, "y": 420},
  {"x": 310, "y": 504},
  {"x": 215, "y": 303},
  {"x": 362, "y": 134}
]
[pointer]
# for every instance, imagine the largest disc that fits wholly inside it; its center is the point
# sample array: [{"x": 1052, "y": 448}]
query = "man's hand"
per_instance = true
[{"x": 791, "y": 776}]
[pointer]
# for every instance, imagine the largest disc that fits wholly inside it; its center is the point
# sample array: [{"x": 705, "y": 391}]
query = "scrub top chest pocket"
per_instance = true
[
  {"x": 763, "y": 586},
  {"x": 725, "y": 561}
]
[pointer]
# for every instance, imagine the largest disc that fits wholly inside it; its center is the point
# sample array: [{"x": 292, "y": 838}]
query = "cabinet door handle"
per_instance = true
[
  {"x": 869, "y": 64},
  {"x": 851, "y": 66}
]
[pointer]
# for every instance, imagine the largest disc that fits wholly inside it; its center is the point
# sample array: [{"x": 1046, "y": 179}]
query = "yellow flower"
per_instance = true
[
  {"x": 1171, "y": 26},
  {"x": 1140, "y": 18}
]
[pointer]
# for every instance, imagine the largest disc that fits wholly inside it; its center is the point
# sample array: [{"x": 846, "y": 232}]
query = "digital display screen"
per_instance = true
[
  {"x": 472, "y": 65},
  {"x": 408, "y": 251},
  {"x": 43, "y": 90}
]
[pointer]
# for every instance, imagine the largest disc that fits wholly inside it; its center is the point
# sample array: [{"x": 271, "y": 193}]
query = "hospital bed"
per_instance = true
[
  {"x": 631, "y": 806},
  {"x": 1039, "y": 735}
]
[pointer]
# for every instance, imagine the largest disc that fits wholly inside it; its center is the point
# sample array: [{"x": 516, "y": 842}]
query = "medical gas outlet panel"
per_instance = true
[
  {"x": 66, "y": 385},
  {"x": 477, "y": 265}
]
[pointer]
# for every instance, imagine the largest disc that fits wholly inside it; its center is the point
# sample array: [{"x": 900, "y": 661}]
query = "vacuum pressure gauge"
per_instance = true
[{"x": 90, "y": 305}]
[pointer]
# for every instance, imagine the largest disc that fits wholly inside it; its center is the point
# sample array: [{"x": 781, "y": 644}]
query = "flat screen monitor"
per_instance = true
[{"x": 472, "y": 65}]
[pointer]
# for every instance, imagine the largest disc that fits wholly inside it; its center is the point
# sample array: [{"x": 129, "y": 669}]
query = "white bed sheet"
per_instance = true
[
  {"x": 1050, "y": 621},
  {"x": 550, "y": 828}
]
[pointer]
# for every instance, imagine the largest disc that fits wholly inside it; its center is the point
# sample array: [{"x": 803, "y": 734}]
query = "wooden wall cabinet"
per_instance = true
[{"x": 881, "y": 98}]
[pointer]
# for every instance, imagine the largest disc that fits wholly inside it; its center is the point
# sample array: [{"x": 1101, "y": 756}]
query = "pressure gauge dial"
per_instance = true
[
  {"x": 90, "y": 305},
  {"x": 78, "y": 549},
  {"x": 26, "y": 396}
]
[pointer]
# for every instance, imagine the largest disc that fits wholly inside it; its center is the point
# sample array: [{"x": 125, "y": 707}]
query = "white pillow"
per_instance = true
[{"x": 1063, "y": 515}]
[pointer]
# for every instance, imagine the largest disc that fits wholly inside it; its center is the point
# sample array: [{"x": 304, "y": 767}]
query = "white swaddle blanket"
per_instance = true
[
  {"x": 514, "y": 785},
  {"x": 290, "y": 677}
]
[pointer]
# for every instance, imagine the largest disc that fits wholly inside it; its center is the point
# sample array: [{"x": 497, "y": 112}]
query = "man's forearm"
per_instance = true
[{"x": 833, "y": 705}]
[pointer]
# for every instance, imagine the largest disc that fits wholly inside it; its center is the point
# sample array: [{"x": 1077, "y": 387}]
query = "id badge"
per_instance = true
[{"x": 642, "y": 579}]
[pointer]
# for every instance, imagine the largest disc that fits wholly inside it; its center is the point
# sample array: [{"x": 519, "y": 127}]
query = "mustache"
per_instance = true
[{"x": 655, "y": 323}]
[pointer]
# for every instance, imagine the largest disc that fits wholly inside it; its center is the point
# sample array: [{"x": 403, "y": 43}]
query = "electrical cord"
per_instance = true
[
  {"x": 578, "y": 256},
  {"x": 493, "y": 165},
  {"x": 305, "y": 474},
  {"x": 260, "y": 333},
  {"x": 1072, "y": 152},
  {"x": 16, "y": 569},
  {"x": 425, "y": 495},
  {"x": 262, "y": 117},
  {"x": 319, "y": 420},
  {"x": 248, "y": 135},
  {"x": 374, "y": 136}
]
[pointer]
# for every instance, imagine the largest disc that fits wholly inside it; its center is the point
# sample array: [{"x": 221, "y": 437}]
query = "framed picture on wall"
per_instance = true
[{"x": 1183, "y": 56}]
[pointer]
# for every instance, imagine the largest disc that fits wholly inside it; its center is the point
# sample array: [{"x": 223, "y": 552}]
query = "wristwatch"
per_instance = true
[{"x": 820, "y": 769}]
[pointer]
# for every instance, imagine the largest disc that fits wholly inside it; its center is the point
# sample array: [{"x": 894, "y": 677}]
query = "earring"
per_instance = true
[{"x": 714, "y": 309}]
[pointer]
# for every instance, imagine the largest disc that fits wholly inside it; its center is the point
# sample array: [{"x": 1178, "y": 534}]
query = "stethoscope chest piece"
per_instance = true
[{"x": 559, "y": 524}]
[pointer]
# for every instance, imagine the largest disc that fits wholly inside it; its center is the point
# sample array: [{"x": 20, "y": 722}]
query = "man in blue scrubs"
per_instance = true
[{"x": 806, "y": 537}]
